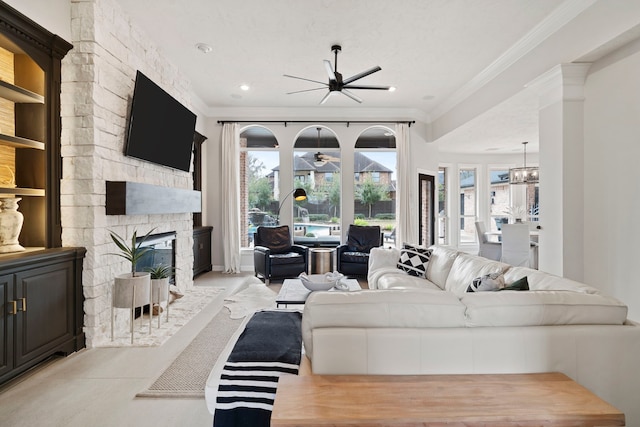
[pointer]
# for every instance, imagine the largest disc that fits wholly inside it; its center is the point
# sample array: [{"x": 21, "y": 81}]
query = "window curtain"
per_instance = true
[
  {"x": 406, "y": 231},
  {"x": 231, "y": 196}
]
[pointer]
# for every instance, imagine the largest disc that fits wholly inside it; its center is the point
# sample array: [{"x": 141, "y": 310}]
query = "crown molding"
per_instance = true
[{"x": 563, "y": 14}]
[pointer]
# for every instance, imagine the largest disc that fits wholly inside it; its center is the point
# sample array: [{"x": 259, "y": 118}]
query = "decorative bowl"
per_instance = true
[{"x": 318, "y": 282}]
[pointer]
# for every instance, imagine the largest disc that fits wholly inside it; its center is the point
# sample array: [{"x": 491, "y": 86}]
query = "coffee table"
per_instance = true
[
  {"x": 505, "y": 400},
  {"x": 294, "y": 292}
]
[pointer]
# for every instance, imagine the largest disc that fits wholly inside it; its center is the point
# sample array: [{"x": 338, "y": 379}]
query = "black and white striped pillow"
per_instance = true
[{"x": 414, "y": 259}]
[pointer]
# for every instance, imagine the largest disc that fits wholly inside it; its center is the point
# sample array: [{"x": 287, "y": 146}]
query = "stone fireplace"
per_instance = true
[{"x": 98, "y": 77}]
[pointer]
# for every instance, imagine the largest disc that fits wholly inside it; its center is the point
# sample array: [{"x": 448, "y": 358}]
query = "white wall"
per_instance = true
[
  {"x": 612, "y": 178},
  {"x": 53, "y": 15}
]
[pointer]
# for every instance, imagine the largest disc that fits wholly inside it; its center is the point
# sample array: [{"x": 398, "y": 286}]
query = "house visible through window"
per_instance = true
[
  {"x": 468, "y": 206},
  {"x": 259, "y": 179},
  {"x": 375, "y": 181},
  {"x": 317, "y": 167},
  {"x": 500, "y": 198}
]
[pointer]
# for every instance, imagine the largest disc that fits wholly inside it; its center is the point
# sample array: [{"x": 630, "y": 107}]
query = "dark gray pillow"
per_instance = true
[{"x": 519, "y": 285}]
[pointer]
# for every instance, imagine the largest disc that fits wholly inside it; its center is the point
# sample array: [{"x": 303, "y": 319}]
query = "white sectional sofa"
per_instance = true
[{"x": 431, "y": 325}]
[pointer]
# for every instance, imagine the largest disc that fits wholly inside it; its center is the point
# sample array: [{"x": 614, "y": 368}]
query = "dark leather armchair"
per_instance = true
[
  {"x": 275, "y": 257},
  {"x": 353, "y": 257}
]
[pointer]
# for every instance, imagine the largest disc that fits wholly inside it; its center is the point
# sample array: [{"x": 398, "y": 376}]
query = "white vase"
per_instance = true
[
  {"x": 159, "y": 290},
  {"x": 160, "y": 293},
  {"x": 10, "y": 225},
  {"x": 132, "y": 291}
]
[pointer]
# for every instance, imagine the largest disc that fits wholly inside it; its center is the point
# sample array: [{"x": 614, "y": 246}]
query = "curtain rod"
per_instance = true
[{"x": 348, "y": 122}]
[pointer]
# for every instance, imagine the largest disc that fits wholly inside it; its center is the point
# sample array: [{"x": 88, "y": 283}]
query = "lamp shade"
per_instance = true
[{"x": 299, "y": 194}]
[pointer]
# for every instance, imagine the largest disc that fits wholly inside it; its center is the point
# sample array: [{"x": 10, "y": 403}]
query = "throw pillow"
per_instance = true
[
  {"x": 414, "y": 259},
  {"x": 519, "y": 285},
  {"x": 488, "y": 282}
]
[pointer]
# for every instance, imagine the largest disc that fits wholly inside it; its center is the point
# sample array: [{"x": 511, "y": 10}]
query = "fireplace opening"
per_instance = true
[{"x": 163, "y": 251}]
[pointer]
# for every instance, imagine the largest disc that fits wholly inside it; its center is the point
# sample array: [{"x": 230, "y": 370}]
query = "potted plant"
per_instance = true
[
  {"x": 131, "y": 289},
  {"x": 160, "y": 275}
]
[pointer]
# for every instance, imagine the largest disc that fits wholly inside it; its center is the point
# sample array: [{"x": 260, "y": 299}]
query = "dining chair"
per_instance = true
[
  {"x": 517, "y": 247},
  {"x": 487, "y": 249}
]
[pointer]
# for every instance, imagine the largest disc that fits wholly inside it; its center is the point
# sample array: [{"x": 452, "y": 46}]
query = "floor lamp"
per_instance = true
[{"x": 298, "y": 194}]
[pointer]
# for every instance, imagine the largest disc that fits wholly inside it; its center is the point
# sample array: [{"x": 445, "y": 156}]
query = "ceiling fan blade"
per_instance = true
[
  {"x": 302, "y": 78},
  {"x": 306, "y": 90},
  {"x": 330, "y": 73},
  {"x": 367, "y": 87},
  {"x": 325, "y": 97},
  {"x": 351, "y": 95},
  {"x": 361, "y": 75}
]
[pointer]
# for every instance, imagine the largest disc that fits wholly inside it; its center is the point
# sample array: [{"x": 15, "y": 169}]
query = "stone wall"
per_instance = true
[{"x": 97, "y": 84}]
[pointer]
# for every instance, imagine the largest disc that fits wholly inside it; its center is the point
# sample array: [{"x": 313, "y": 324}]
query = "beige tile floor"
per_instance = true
[{"x": 97, "y": 387}]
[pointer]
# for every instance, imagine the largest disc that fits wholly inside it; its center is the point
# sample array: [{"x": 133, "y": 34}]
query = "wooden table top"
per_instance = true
[{"x": 523, "y": 400}]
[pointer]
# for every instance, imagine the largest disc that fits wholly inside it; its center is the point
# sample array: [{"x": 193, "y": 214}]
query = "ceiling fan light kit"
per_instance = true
[{"x": 336, "y": 82}]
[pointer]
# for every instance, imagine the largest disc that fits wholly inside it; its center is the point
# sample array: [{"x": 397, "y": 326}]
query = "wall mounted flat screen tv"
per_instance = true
[{"x": 160, "y": 128}]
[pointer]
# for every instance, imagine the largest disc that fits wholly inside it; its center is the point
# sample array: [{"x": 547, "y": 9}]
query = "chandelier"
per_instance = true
[{"x": 524, "y": 175}]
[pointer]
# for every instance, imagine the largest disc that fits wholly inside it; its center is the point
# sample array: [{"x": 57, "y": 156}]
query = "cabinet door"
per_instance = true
[
  {"x": 46, "y": 318},
  {"x": 6, "y": 324}
]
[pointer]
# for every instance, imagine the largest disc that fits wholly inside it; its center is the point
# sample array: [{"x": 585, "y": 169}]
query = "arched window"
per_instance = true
[
  {"x": 375, "y": 180},
  {"x": 259, "y": 178},
  {"x": 316, "y": 168}
]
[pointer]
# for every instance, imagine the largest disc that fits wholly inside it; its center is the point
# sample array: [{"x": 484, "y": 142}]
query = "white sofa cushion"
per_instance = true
[
  {"x": 398, "y": 308},
  {"x": 467, "y": 267},
  {"x": 400, "y": 280},
  {"x": 439, "y": 265},
  {"x": 541, "y": 281},
  {"x": 381, "y": 261},
  {"x": 542, "y": 308}
]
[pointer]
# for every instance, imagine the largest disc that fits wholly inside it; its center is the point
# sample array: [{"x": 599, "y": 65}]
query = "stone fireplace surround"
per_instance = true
[{"x": 98, "y": 77}]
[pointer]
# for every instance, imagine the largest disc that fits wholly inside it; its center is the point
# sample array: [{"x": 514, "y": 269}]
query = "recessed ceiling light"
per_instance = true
[
  {"x": 204, "y": 48},
  {"x": 244, "y": 87},
  {"x": 392, "y": 89}
]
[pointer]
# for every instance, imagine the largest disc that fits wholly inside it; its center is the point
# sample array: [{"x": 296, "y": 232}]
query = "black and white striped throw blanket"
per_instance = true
[{"x": 270, "y": 345}]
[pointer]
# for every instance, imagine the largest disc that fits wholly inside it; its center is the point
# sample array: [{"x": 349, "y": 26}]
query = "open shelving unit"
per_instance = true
[
  {"x": 40, "y": 287},
  {"x": 23, "y": 139}
]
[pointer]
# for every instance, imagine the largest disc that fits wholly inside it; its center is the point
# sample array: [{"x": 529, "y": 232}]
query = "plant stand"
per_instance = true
[
  {"x": 131, "y": 292},
  {"x": 159, "y": 293}
]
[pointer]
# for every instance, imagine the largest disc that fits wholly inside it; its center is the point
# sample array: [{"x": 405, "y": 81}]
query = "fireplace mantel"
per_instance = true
[{"x": 133, "y": 198}]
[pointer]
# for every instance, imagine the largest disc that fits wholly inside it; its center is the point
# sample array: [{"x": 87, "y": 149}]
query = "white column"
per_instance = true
[{"x": 561, "y": 136}]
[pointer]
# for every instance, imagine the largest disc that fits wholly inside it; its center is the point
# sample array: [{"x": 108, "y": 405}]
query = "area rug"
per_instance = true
[
  {"x": 180, "y": 312},
  {"x": 187, "y": 375},
  {"x": 252, "y": 297}
]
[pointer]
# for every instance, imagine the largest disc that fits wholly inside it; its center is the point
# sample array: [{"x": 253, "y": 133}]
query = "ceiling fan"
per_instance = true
[
  {"x": 337, "y": 83},
  {"x": 319, "y": 159}
]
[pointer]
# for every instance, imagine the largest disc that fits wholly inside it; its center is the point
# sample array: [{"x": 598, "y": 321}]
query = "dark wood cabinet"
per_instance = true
[
  {"x": 41, "y": 296},
  {"x": 42, "y": 307},
  {"x": 201, "y": 249}
]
